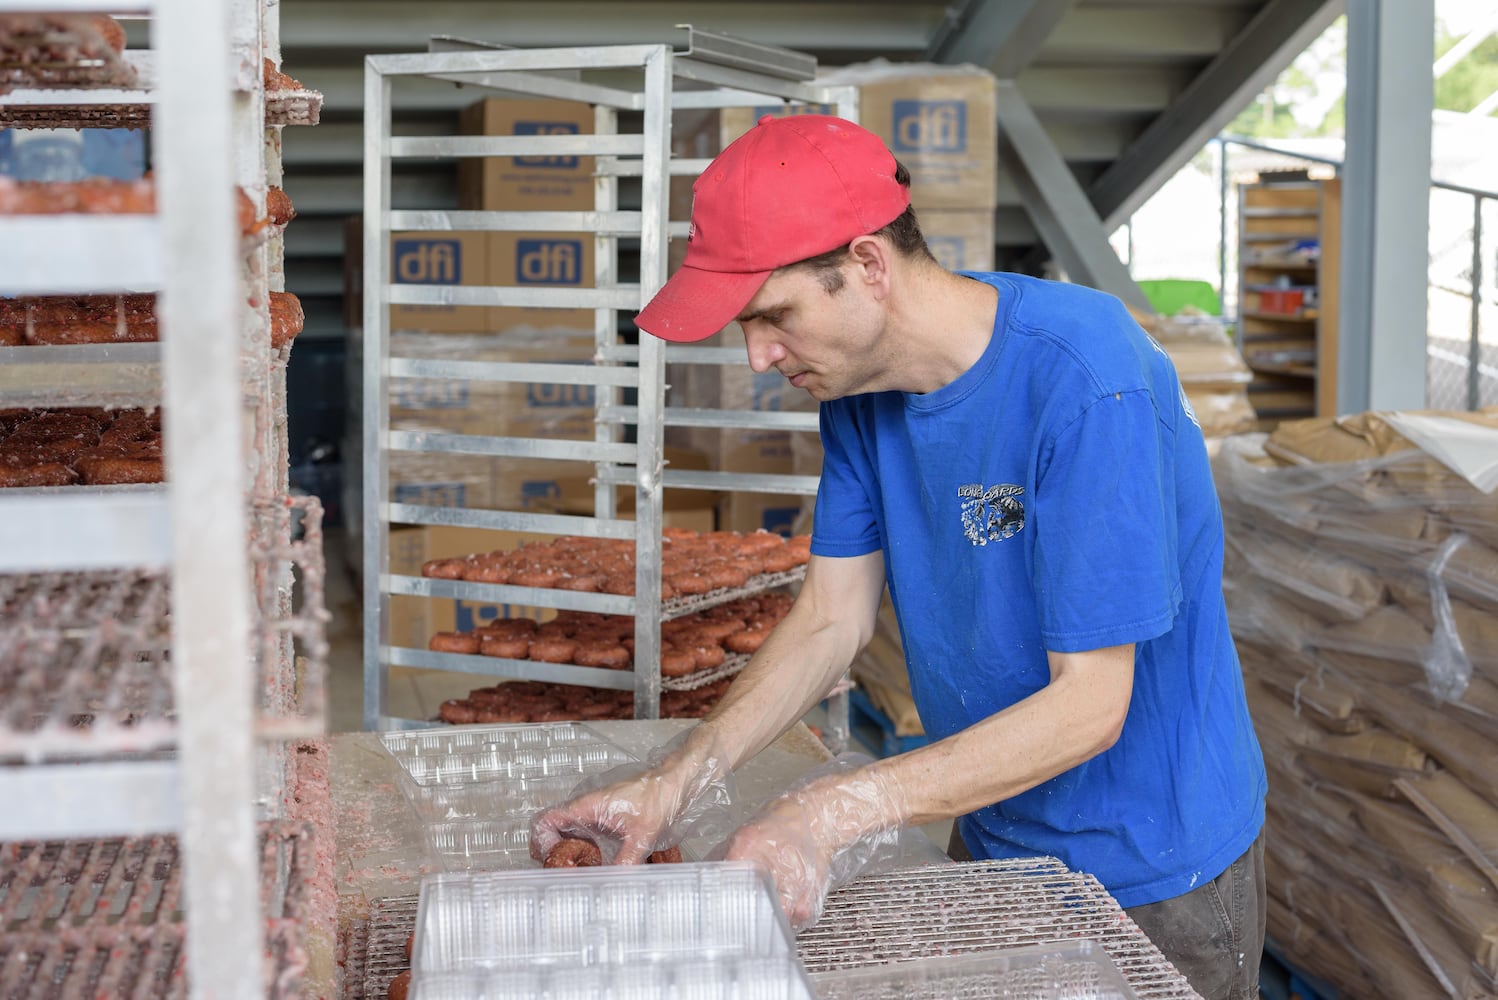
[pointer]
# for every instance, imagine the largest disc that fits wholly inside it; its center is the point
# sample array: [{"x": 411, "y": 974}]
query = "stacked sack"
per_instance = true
[{"x": 1362, "y": 583}]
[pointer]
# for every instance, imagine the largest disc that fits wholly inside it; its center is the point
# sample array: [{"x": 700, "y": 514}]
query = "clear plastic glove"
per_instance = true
[
  {"x": 837, "y": 821},
  {"x": 683, "y": 789}
]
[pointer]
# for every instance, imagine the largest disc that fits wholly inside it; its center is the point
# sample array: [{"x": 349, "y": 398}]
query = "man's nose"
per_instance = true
[{"x": 763, "y": 351}]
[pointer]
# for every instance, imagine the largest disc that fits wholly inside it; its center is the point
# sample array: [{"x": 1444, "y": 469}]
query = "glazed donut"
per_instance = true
[
  {"x": 278, "y": 206},
  {"x": 443, "y": 569},
  {"x": 677, "y": 662},
  {"x": 511, "y": 628},
  {"x": 553, "y": 650},
  {"x": 486, "y": 571},
  {"x": 457, "y": 711},
  {"x": 602, "y": 653},
  {"x": 532, "y": 577},
  {"x": 747, "y": 641},
  {"x": 400, "y": 986},
  {"x": 110, "y": 470},
  {"x": 707, "y": 655},
  {"x": 779, "y": 560},
  {"x": 12, "y": 335},
  {"x": 596, "y": 710},
  {"x": 555, "y": 715},
  {"x": 588, "y": 583},
  {"x": 286, "y": 319},
  {"x": 689, "y": 583},
  {"x": 670, "y": 856},
  {"x": 507, "y": 647},
  {"x": 37, "y": 474},
  {"x": 492, "y": 715},
  {"x": 573, "y": 852},
  {"x": 454, "y": 642},
  {"x": 620, "y": 583}
]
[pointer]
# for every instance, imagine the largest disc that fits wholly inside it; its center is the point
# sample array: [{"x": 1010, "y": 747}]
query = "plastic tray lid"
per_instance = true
[
  {"x": 1076, "y": 970},
  {"x": 606, "y": 916}
]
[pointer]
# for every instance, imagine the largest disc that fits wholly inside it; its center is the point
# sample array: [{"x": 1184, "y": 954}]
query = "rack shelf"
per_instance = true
[{"x": 1288, "y": 271}]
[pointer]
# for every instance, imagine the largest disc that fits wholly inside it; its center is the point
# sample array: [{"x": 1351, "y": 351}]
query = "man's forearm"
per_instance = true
[{"x": 789, "y": 674}]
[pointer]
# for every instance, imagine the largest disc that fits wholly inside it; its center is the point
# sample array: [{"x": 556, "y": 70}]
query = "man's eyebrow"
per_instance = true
[{"x": 760, "y": 313}]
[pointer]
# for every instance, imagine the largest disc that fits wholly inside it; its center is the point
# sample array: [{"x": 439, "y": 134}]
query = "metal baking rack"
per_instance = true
[
  {"x": 638, "y": 86},
  {"x": 899, "y": 916},
  {"x": 105, "y": 918},
  {"x": 167, "y": 611}
]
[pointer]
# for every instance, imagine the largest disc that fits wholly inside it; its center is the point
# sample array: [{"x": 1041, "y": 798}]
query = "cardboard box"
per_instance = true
[
  {"x": 440, "y": 480},
  {"x": 526, "y": 183},
  {"x": 937, "y": 120},
  {"x": 540, "y": 260},
  {"x": 454, "y": 258},
  {"x": 961, "y": 239}
]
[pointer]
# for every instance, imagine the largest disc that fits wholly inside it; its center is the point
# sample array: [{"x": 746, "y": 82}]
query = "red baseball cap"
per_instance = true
[{"x": 788, "y": 189}]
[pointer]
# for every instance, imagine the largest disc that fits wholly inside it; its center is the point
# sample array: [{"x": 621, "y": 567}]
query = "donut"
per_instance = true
[
  {"x": 108, "y": 29},
  {"x": 487, "y": 571},
  {"x": 602, "y": 653},
  {"x": 620, "y": 583},
  {"x": 670, "y": 856},
  {"x": 508, "y": 647},
  {"x": 278, "y": 206},
  {"x": 747, "y": 641},
  {"x": 555, "y": 715},
  {"x": 588, "y": 582},
  {"x": 707, "y": 655},
  {"x": 779, "y": 561},
  {"x": 532, "y": 577},
  {"x": 400, "y": 986},
  {"x": 443, "y": 569},
  {"x": 726, "y": 576},
  {"x": 689, "y": 583},
  {"x": 491, "y": 715},
  {"x": 104, "y": 470},
  {"x": 454, "y": 642},
  {"x": 677, "y": 662},
  {"x": 511, "y": 628},
  {"x": 37, "y": 474},
  {"x": 457, "y": 711},
  {"x": 410, "y": 946},
  {"x": 596, "y": 710},
  {"x": 286, "y": 319},
  {"x": 12, "y": 336},
  {"x": 553, "y": 650},
  {"x": 573, "y": 852}
]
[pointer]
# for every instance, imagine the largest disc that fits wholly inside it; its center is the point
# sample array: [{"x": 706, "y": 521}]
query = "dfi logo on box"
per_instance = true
[
  {"x": 428, "y": 262},
  {"x": 558, "y": 394},
  {"x": 428, "y": 394},
  {"x": 432, "y": 494},
  {"x": 469, "y": 615},
  {"x": 930, "y": 126},
  {"x": 546, "y": 128},
  {"x": 549, "y": 262}
]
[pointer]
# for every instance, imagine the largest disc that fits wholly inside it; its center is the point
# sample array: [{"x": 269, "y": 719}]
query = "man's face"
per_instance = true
[{"x": 825, "y": 343}]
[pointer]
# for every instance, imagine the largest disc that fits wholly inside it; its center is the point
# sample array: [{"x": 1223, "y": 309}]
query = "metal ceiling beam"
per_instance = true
[
  {"x": 1002, "y": 35},
  {"x": 899, "y": 30},
  {"x": 1058, "y": 206},
  {"x": 1281, "y": 31}
]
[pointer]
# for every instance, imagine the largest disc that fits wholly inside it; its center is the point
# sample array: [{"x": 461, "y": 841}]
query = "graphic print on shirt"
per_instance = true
[{"x": 993, "y": 513}]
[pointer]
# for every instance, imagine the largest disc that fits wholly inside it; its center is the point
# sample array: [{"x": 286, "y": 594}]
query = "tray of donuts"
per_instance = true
[
  {"x": 66, "y": 320},
  {"x": 80, "y": 447},
  {"x": 694, "y": 565},
  {"x": 55, "y": 50},
  {"x": 543, "y": 701},
  {"x": 690, "y": 645}
]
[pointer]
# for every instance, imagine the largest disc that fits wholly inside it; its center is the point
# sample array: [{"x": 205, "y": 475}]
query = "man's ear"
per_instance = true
[{"x": 871, "y": 259}]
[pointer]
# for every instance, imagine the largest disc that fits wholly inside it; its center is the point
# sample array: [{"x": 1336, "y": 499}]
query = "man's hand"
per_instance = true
[
  {"x": 685, "y": 788},
  {"x": 836, "y": 823}
]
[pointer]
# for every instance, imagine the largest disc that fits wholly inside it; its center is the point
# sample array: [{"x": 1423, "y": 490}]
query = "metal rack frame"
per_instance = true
[
  {"x": 710, "y": 73},
  {"x": 180, "y": 752}
]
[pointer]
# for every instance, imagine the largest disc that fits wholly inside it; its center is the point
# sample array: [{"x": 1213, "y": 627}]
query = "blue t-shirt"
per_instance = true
[{"x": 1057, "y": 496}]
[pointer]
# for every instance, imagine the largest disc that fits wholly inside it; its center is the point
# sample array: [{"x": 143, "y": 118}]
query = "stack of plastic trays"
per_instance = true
[
  {"x": 1077, "y": 970},
  {"x": 692, "y": 931},
  {"x": 476, "y": 788}
]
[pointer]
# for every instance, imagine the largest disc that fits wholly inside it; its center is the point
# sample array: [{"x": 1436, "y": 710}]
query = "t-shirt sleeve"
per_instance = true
[
  {"x": 846, "y": 523},
  {"x": 1106, "y": 539}
]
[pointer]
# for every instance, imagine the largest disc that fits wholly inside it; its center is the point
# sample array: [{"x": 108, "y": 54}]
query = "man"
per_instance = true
[{"x": 1016, "y": 460}]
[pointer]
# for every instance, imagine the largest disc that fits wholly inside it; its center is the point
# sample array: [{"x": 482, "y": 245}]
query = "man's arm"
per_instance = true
[
  {"x": 832, "y": 619},
  {"x": 806, "y": 836},
  {"x": 1071, "y": 720}
]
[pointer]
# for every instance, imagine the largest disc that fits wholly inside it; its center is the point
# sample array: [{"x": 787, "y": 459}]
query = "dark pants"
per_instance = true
[{"x": 1214, "y": 934}]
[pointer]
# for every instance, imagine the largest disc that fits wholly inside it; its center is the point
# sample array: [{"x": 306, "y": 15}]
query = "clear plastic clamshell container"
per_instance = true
[
  {"x": 704, "y": 931},
  {"x": 475, "y": 788},
  {"x": 1077, "y": 970}
]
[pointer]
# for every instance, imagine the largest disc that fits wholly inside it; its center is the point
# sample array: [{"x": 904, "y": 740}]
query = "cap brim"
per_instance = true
[{"x": 695, "y": 304}]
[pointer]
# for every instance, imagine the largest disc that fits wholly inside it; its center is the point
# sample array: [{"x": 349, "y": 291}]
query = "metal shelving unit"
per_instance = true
[
  {"x": 630, "y": 86},
  {"x": 147, "y": 633}
]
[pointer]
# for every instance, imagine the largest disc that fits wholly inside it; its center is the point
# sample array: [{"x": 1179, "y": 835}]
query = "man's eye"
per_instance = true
[{"x": 774, "y": 318}]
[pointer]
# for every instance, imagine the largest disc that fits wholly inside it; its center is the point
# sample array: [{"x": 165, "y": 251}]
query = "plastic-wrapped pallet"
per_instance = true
[{"x": 1362, "y": 585}]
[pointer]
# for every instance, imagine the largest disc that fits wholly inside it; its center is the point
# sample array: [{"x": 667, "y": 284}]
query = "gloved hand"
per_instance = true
[
  {"x": 839, "y": 820},
  {"x": 683, "y": 789}
]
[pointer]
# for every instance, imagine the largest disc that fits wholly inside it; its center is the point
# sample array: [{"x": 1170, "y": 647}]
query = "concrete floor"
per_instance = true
[{"x": 412, "y": 693}]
